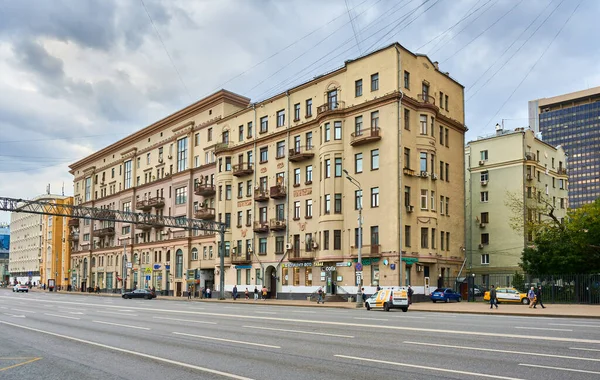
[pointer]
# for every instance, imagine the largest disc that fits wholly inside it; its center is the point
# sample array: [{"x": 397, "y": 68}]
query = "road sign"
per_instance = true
[
  {"x": 130, "y": 265},
  {"x": 148, "y": 270},
  {"x": 358, "y": 266}
]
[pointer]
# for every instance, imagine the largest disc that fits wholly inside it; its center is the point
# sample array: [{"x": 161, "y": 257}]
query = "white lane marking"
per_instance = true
[
  {"x": 121, "y": 314},
  {"x": 265, "y": 312},
  {"x": 559, "y": 368},
  {"x": 584, "y": 349},
  {"x": 75, "y": 313},
  {"x": 25, "y": 311},
  {"x": 15, "y": 316},
  {"x": 303, "y": 312},
  {"x": 540, "y": 328},
  {"x": 434, "y": 369},
  {"x": 571, "y": 324},
  {"x": 299, "y": 331},
  {"x": 231, "y": 307},
  {"x": 372, "y": 319},
  {"x": 3, "y": 307},
  {"x": 70, "y": 308},
  {"x": 61, "y": 316},
  {"x": 410, "y": 317},
  {"x": 135, "y": 353},
  {"x": 226, "y": 340},
  {"x": 345, "y": 324},
  {"x": 186, "y": 320},
  {"x": 118, "y": 324},
  {"x": 502, "y": 351}
]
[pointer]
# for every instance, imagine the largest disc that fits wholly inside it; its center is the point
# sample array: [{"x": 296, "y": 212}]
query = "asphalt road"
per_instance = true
[{"x": 57, "y": 336}]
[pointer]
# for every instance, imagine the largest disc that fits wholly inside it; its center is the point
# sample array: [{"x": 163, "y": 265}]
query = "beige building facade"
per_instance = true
[
  {"x": 273, "y": 172},
  {"x": 505, "y": 169}
]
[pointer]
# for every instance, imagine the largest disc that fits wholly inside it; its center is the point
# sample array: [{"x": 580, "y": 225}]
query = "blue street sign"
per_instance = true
[
  {"x": 167, "y": 267},
  {"x": 358, "y": 266},
  {"x": 156, "y": 266},
  {"x": 147, "y": 278}
]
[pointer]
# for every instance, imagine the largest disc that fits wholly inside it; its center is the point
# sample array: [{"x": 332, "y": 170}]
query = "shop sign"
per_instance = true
[
  {"x": 343, "y": 264},
  {"x": 296, "y": 265},
  {"x": 243, "y": 267},
  {"x": 130, "y": 265},
  {"x": 318, "y": 264},
  {"x": 368, "y": 261},
  {"x": 156, "y": 266},
  {"x": 329, "y": 269}
]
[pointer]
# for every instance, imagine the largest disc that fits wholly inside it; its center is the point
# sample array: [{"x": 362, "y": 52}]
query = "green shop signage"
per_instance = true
[{"x": 368, "y": 261}]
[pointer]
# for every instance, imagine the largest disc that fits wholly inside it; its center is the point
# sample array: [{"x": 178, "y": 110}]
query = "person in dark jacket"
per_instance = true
[
  {"x": 234, "y": 293},
  {"x": 493, "y": 299},
  {"x": 538, "y": 296}
]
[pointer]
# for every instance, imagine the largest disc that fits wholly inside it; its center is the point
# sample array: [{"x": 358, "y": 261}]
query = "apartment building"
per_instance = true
[
  {"x": 573, "y": 122},
  {"x": 4, "y": 251},
  {"x": 504, "y": 169},
  {"x": 38, "y": 245},
  {"x": 274, "y": 173}
]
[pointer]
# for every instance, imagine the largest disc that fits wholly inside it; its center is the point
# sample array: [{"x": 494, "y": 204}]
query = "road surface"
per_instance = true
[{"x": 58, "y": 336}]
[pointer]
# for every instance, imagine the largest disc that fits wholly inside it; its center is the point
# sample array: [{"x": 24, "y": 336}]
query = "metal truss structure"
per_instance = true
[{"x": 92, "y": 213}]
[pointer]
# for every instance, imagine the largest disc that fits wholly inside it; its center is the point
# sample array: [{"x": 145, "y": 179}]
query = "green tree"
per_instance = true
[{"x": 518, "y": 281}]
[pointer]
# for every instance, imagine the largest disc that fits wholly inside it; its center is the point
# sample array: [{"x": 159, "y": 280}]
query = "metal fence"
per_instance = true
[{"x": 556, "y": 288}]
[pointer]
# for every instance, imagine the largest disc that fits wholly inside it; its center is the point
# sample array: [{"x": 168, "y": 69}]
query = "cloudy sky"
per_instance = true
[{"x": 77, "y": 75}]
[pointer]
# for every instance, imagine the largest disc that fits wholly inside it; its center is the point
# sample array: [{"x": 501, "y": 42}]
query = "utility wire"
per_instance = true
[
  {"x": 471, "y": 86},
  {"x": 485, "y": 30},
  {"x": 353, "y": 27},
  {"x": 61, "y": 138},
  {"x": 166, "y": 50},
  {"x": 536, "y": 62}
]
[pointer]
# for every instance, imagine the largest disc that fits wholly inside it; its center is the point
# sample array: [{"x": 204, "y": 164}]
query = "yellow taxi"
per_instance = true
[
  {"x": 387, "y": 299},
  {"x": 508, "y": 295}
]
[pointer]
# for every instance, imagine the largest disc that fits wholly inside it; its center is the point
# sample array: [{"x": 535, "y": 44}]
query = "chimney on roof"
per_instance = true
[
  {"x": 499, "y": 129},
  {"x": 436, "y": 64}
]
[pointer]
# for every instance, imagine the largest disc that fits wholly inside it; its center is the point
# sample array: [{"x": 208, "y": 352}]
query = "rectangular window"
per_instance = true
[
  {"x": 240, "y": 192},
  {"x": 262, "y": 246},
  {"x": 423, "y": 161},
  {"x": 181, "y": 195},
  {"x": 332, "y": 99},
  {"x": 358, "y": 164},
  {"x": 279, "y": 244},
  {"x": 374, "y": 235},
  {"x": 262, "y": 214},
  {"x": 446, "y": 102},
  {"x": 447, "y": 241},
  {"x": 337, "y": 206},
  {"x": 447, "y": 172},
  {"x": 447, "y": 206},
  {"x": 264, "y": 124},
  {"x": 432, "y": 200},
  {"x": 358, "y": 88},
  {"x": 407, "y": 236},
  {"x": 326, "y": 240},
  {"x": 424, "y": 237},
  {"x": 406, "y": 79},
  {"x": 407, "y": 196},
  {"x": 441, "y": 135},
  {"x": 433, "y": 236},
  {"x": 375, "y": 159},
  {"x": 357, "y": 238},
  {"x": 327, "y": 168},
  {"x": 227, "y": 164},
  {"x": 484, "y": 176},
  {"x": 485, "y": 239},
  {"x": 337, "y": 130},
  {"x": 182, "y": 154},
  {"x": 88, "y": 184},
  {"x": 327, "y": 204},
  {"x": 308, "y": 107},
  {"x": 280, "y": 149},
  {"x": 241, "y": 133},
  {"x": 374, "y": 197},
  {"x": 127, "y": 180},
  {"x": 423, "y": 122},
  {"x": 446, "y": 140},
  {"x": 407, "y": 119},
  {"x": 249, "y": 188},
  {"x": 249, "y": 129},
  {"x": 374, "y": 120},
  {"x": 248, "y": 218},
  {"x": 483, "y": 155},
  {"x": 227, "y": 220},
  {"x": 327, "y": 132},
  {"x": 296, "y": 210},
  {"x": 442, "y": 170},
  {"x": 280, "y": 118},
  {"x": 485, "y": 217},
  {"x": 375, "y": 82},
  {"x": 309, "y": 174},
  {"x": 297, "y": 177},
  {"x": 407, "y": 158},
  {"x": 358, "y": 122},
  {"x": 424, "y": 196},
  {"x": 338, "y": 167},
  {"x": 337, "y": 239},
  {"x": 240, "y": 219},
  {"x": 309, "y": 206},
  {"x": 357, "y": 199},
  {"x": 484, "y": 196},
  {"x": 309, "y": 140},
  {"x": 297, "y": 112},
  {"x": 228, "y": 192},
  {"x": 485, "y": 259},
  {"x": 264, "y": 154}
]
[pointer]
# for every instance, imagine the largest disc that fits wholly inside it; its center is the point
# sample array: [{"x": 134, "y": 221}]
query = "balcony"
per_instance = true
[
  {"x": 204, "y": 189},
  {"x": 562, "y": 171},
  {"x": 261, "y": 226},
  {"x": 157, "y": 202},
  {"x": 261, "y": 195},
  {"x": 365, "y": 136},
  {"x": 278, "y": 192},
  {"x": 300, "y": 255},
  {"x": 244, "y": 258},
  {"x": 74, "y": 236},
  {"x": 107, "y": 231},
  {"x": 73, "y": 222},
  {"x": 530, "y": 157},
  {"x": 373, "y": 250},
  {"x": 205, "y": 213},
  {"x": 277, "y": 224},
  {"x": 331, "y": 106},
  {"x": 301, "y": 153},
  {"x": 408, "y": 172},
  {"x": 143, "y": 205},
  {"x": 243, "y": 169},
  {"x": 221, "y": 147}
]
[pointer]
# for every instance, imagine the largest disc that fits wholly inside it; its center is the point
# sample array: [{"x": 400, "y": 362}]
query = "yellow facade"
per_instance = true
[
  {"x": 55, "y": 247},
  {"x": 202, "y": 162}
]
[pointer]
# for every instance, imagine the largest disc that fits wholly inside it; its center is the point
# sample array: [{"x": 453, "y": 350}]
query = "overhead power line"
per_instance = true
[
  {"x": 354, "y": 28},
  {"x": 536, "y": 62}
]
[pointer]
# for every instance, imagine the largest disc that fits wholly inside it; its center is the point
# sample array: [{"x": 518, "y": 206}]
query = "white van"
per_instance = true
[{"x": 388, "y": 299}]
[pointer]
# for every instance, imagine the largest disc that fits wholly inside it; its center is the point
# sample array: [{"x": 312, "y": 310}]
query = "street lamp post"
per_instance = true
[{"x": 360, "y": 222}]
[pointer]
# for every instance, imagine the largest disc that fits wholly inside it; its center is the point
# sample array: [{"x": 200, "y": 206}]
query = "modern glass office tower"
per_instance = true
[{"x": 573, "y": 122}]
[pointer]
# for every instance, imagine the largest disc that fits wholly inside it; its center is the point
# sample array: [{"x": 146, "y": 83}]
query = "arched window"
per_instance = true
[
  {"x": 93, "y": 261},
  {"x": 85, "y": 270},
  {"x": 194, "y": 253},
  {"x": 168, "y": 256},
  {"x": 179, "y": 263},
  {"x": 135, "y": 258}
]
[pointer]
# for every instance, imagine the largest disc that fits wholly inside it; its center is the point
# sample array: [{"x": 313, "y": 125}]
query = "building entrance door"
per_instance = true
[
  {"x": 178, "y": 289},
  {"x": 331, "y": 285}
]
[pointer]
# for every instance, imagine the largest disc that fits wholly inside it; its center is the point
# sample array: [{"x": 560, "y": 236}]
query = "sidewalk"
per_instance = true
[{"x": 551, "y": 310}]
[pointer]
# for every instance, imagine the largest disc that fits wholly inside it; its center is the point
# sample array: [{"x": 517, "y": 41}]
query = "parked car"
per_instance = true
[
  {"x": 445, "y": 295},
  {"x": 140, "y": 293},
  {"x": 387, "y": 299},
  {"x": 508, "y": 295},
  {"x": 21, "y": 288},
  {"x": 476, "y": 291}
]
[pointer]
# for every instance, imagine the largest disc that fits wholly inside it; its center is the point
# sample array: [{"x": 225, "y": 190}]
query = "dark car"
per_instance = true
[
  {"x": 140, "y": 293},
  {"x": 445, "y": 295}
]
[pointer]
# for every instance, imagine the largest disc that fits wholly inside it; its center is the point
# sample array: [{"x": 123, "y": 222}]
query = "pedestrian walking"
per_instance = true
[
  {"x": 208, "y": 295},
  {"x": 320, "y": 294},
  {"x": 538, "y": 297},
  {"x": 264, "y": 293},
  {"x": 234, "y": 292},
  {"x": 255, "y": 293},
  {"x": 364, "y": 295},
  {"x": 246, "y": 293},
  {"x": 493, "y": 298},
  {"x": 410, "y": 294},
  {"x": 378, "y": 288},
  {"x": 190, "y": 290},
  {"x": 531, "y": 297}
]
